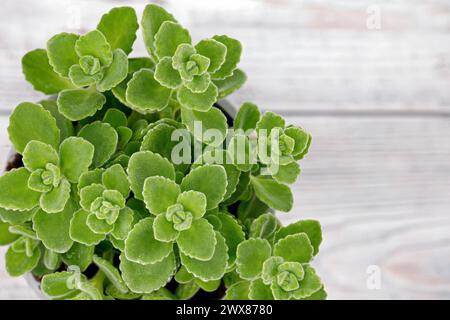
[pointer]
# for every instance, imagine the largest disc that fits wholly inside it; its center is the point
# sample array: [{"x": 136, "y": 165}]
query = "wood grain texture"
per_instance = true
[{"x": 376, "y": 101}]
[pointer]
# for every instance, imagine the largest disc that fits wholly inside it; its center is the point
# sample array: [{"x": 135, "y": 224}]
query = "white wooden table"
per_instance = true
[{"x": 376, "y": 101}]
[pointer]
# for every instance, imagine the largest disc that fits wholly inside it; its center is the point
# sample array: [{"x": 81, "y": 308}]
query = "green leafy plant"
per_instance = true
[{"x": 120, "y": 194}]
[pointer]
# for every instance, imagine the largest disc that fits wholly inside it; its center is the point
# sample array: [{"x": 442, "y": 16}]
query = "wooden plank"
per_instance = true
[{"x": 299, "y": 54}]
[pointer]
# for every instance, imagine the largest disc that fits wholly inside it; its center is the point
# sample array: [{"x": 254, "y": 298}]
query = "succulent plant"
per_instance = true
[{"x": 132, "y": 183}]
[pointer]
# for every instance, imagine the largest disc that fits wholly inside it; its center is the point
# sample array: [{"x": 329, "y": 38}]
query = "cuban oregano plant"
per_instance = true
[{"x": 132, "y": 184}]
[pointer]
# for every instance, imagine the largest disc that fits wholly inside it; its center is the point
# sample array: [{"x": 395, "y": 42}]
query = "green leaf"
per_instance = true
[
  {"x": 199, "y": 241},
  {"x": 272, "y": 193},
  {"x": 209, "y": 286},
  {"x": 169, "y": 36},
  {"x": 146, "y": 164},
  {"x": 160, "y": 294},
  {"x": 301, "y": 137},
  {"x": 166, "y": 75},
  {"x": 115, "y": 73},
  {"x": 212, "y": 119},
  {"x": 53, "y": 228},
  {"x": 310, "y": 227},
  {"x": 199, "y": 83},
  {"x": 287, "y": 173},
  {"x": 39, "y": 72},
  {"x": 159, "y": 194},
  {"x": 61, "y": 52},
  {"x": 65, "y": 125},
  {"x": 111, "y": 273},
  {"x": 104, "y": 139},
  {"x": 234, "y": 49},
  {"x": 153, "y": 17},
  {"x": 80, "y": 79},
  {"x": 115, "y": 118},
  {"x": 214, "y": 50},
  {"x": 51, "y": 259},
  {"x": 212, "y": 269},
  {"x": 123, "y": 224},
  {"x": 213, "y": 188},
  {"x": 16, "y": 217},
  {"x": 147, "y": 278},
  {"x": 78, "y": 104},
  {"x": 251, "y": 255},
  {"x": 31, "y": 121},
  {"x": 55, "y": 285},
  {"x": 295, "y": 248},
  {"x": 90, "y": 177},
  {"x": 183, "y": 276},
  {"x": 99, "y": 226},
  {"x": 94, "y": 44},
  {"x": 265, "y": 227},
  {"x": 37, "y": 154},
  {"x": 89, "y": 193},
  {"x": 269, "y": 121},
  {"x": 6, "y": 237},
  {"x": 112, "y": 291},
  {"x": 119, "y": 27},
  {"x": 309, "y": 285},
  {"x": 56, "y": 199},
  {"x": 270, "y": 269},
  {"x": 15, "y": 193},
  {"x": 242, "y": 151},
  {"x": 318, "y": 295},
  {"x": 238, "y": 291},
  {"x": 187, "y": 291},
  {"x": 80, "y": 232},
  {"x": 145, "y": 94},
  {"x": 79, "y": 255},
  {"x": 230, "y": 84},
  {"x": 247, "y": 117},
  {"x": 260, "y": 291},
  {"x": 115, "y": 178},
  {"x": 142, "y": 247},
  {"x": 232, "y": 231},
  {"x": 164, "y": 230},
  {"x": 18, "y": 263},
  {"x": 76, "y": 157},
  {"x": 202, "y": 101},
  {"x": 194, "y": 202}
]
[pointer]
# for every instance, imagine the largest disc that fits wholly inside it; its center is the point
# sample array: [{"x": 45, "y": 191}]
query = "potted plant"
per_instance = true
[{"x": 136, "y": 182}]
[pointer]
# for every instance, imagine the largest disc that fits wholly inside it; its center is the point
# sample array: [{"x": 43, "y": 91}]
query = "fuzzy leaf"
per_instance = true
[
  {"x": 94, "y": 44},
  {"x": 145, "y": 93},
  {"x": 56, "y": 199},
  {"x": 301, "y": 138},
  {"x": 15, "y": 193},
  {"x": 213, "y": 188},
  {"x": 90, "y": 177},
  {"x": 214, "y": 50},
  {"x": 89, "y": 193},
  {"x": 265, "y": 227},
  {"x": 230, "y": 84},
  {"x": 295, "y": 248},
  {"x": 166, "y": 75},
  {"x": 310, "y": 227},
  {"x": 238, "y": 291},
  {"x": 160, "y": 193},
  {"x": 269, "y": 121},
  {"x": 115, "y": 118},
  {"x": 55, "y": 285},
  {"x": 234, "y": 49},
  {"x": 119, "y": 27},
  {"x": 76, "y": 157},
  {"x": 199, "y": 83},
  {"x": 146, "y": 164},
  {"x": 309, "y": 285},
  {"x": 80, "y": 232},
  {"x": 115, "y": 178},
  {"x": 115, "y": 73},
  {"x": 123, "y": 224},
  {"x": 194, "y": 202},
  {"x": 16, "y": 217},
  {"x": 212, "y": 269},
  {"x": 80, "y": 79},
  {"x": 37, "y": 154},
  {"x": 288, "y": 173},
  {"x": 61, "y": 52},
  {"x": 202, "y": 101},
  {"x": 232, "y": 231},
  {"x": 272, "y": 193},
  {"x": 142, "y": 247},
  {"x": 242, "y": 152},
  {"x": 6, "y": 237},
  {"x": 111, "y": 273},
  {"x": 65, "y": 125},
  {"x": 53, "y": 228},
  {"x": 104, "y": 139},
  {"x": 18, "y": 263},
  {"x": 270, "y": 269},
  {"x": 211, "y": 119},
  {"x": 199, "y": 241},
  {"x": 31, "y": 121},
  {"x": 169, "y": 36},
  {"x": 164, "y": 230},
  {"x": 153, "y": 17},
  {"x": 147, "y": 278},
  {"x": 39, "y": 72},
  {"x": 260, "y": 291},
  {"x": 251, "y": 255},
  {"x": 99, "y": 226},
  {"x": 247, "y": 117},
  {"x": 79, "y": 255},
  {"x": 77, "y": 104}
]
